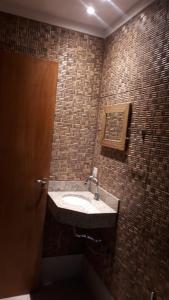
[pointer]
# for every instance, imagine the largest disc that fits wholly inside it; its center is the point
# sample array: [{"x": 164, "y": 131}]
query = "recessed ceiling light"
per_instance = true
[{"x": 90, "y": 10}]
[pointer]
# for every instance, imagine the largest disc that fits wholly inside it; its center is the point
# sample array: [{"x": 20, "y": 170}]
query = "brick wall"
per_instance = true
[{"x": 136, "y": 69}]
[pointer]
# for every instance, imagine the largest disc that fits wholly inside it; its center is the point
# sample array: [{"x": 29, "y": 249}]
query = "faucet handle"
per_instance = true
[{"x": 87, "y": 179}]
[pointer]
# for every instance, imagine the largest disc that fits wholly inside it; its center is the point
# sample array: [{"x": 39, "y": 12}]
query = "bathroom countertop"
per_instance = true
[
  {"x": 79, "y": 186},
  {"x": 99, "y": 206},
  {"x": 99, "y": 216}
]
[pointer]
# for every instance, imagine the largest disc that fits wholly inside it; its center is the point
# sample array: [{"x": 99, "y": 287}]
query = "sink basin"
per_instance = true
[
  {"x": 75, "y": 199},
  {"x": 79, "y": 201},
  {"x": 81, "y": 209}
]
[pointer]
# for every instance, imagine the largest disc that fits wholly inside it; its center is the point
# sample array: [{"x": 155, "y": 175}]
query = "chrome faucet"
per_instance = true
[{"x": 94, "y": 180}]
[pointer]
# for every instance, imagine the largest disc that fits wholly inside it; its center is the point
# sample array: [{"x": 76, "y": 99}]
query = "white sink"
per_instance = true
[
  {"x": 82, "y": 203},
  {"x": 75, "y": 200},
  {"x": 81, "y": 209}
]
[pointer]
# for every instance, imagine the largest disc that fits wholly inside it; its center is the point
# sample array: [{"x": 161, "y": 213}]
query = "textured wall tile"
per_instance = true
[{"x": 136, "y": 70}]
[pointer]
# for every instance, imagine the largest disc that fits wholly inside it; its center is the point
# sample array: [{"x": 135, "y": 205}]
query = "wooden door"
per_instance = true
[{"x": 27, "y": 101}]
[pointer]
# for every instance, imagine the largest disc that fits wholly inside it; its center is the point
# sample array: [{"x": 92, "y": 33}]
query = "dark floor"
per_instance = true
[{"x": 63, "y": 290}]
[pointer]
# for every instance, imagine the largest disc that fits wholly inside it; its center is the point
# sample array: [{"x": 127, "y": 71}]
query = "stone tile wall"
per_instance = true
[{"x": 136, "y": 70}]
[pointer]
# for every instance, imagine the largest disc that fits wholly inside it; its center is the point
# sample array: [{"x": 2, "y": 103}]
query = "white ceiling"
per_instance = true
[{"x": 110, "y": 14}]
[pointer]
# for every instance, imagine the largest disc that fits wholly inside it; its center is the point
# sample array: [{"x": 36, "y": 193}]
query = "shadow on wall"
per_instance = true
[
  {"x": 101, "y": 256},
  {"x": 115, "y": 154},
  {"x": 58, "y": 238}
]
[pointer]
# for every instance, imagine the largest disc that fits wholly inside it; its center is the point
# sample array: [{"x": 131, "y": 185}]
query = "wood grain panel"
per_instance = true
[{"x": 27, "y": 99}]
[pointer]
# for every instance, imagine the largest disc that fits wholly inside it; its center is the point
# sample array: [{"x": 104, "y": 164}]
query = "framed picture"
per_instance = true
[{"x": 114, "y": 126}]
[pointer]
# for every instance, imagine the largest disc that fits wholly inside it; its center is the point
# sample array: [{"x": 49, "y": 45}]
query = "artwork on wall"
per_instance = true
[{"x": 114, "y": 126}]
